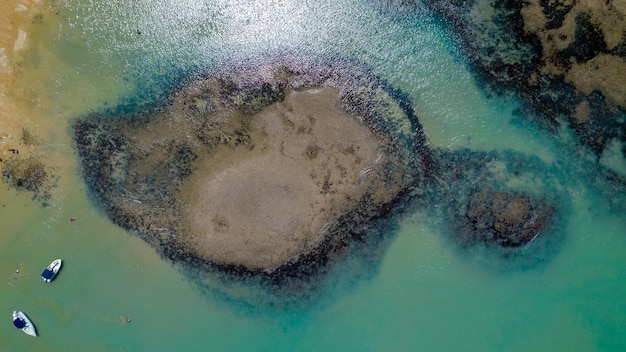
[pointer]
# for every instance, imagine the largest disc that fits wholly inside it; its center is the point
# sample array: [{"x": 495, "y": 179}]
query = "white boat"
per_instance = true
[
  {"x": 51, "y": 271},
  {"x": 21, "y": 321}
]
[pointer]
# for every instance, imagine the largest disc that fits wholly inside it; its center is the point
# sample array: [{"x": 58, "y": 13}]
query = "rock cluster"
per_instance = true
[{"x": 507, "y": 219}]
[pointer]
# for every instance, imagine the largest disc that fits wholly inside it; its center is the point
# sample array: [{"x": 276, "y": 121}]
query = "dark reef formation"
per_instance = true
[
  {"x": 565, "y": 59},
  {"x": 270, "y": 167}
]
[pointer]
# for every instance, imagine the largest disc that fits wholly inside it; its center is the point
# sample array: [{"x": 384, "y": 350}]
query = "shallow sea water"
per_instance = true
[{"x": 425, "y": 294}]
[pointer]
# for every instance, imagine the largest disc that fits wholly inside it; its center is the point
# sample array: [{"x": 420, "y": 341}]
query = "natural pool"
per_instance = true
[{"x": 422, "y": 293}]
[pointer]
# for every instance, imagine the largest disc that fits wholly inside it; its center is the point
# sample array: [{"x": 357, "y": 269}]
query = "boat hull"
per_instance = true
[
  {"x": 51, "y": 271},
  {"x": 21, "y": 321}
]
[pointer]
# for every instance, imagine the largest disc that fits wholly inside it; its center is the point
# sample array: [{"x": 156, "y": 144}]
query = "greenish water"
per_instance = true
[{"x": 424, "y": 295}]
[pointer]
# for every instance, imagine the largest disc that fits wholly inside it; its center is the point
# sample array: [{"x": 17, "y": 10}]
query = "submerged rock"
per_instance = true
[
  {"x": 502, "y": 205},
  {"x": 507, "y": 219},
  {"x": 24, "y": 167},
  {"x": 271, "y": 166}
]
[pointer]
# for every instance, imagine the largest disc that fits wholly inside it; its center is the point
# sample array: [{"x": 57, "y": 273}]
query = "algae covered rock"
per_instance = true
[
  {"x": 257, "y": 166},
  {"x": 507, "y": 219},
  {"x": 503, "y": 208}
]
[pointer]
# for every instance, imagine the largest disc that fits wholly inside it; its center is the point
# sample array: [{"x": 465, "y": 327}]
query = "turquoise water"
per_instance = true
[{"x": 424, "y": 294}]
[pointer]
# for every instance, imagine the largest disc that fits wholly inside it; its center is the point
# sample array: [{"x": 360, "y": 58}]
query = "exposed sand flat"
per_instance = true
[{"x": 26, "y": 129}]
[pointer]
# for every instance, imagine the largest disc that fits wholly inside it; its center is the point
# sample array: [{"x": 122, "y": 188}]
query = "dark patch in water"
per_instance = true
[
  {"x": 588, "y": 40},
  {"x": 499, "y": 218},
  {"x": 29, "y": 171},
  {"x": 502, "y": 208}
]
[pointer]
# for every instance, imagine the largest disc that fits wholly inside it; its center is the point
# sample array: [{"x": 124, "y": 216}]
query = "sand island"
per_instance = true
[{"x": 259, "y": 166}]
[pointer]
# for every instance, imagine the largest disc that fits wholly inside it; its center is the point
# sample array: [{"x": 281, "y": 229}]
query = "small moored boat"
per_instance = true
[
  {"x": 21, "y": 321},
  {"x": 51, "y": 271}
]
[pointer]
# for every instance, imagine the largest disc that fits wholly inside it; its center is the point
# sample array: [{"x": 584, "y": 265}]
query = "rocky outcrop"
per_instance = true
[
  {"x": 503, "y": 205},
  {"x": 507, "y": 219}
]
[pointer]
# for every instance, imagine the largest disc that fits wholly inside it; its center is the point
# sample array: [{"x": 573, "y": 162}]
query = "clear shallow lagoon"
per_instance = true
[{"x": 425, "y": 294}]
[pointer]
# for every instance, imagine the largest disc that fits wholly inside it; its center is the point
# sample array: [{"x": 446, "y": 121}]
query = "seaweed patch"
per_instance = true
[{"x": 499, "y": 207}]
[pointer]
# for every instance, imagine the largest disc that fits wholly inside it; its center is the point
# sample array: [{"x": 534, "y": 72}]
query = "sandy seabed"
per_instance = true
[{"x": 15, "y": 19}]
